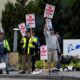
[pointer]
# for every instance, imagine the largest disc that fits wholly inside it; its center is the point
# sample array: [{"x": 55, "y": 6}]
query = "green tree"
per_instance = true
[
  {"x": 72, "y": 20},
  {"x": 8, "y": 17},
  {"x": 22, "y": 2}
]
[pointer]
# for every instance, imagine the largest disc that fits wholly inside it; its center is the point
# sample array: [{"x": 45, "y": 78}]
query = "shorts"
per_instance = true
[{"x": 52, "y": 56}]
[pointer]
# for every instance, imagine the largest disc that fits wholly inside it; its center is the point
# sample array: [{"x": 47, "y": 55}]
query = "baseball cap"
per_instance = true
[
  {"x": 28, "y": 30},
  {"x": 51, "y": 29}
]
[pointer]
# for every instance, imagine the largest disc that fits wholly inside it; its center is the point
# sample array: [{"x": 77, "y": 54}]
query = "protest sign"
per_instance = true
[
  {"x": 49, "y": 23},
  {"x": 49, "y": 11},
  {"x": 30, "y": 20},
  {"x": 43, "y": 52},
  {"x": 22, "y": 29}
]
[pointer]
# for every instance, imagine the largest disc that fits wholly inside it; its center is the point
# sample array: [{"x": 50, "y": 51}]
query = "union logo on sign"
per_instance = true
[
  {"x": 50, "y": 7},
  {"x": 30, "y": 16},
  {"x": 49, "y": 11},
  {"x": 43, "y": 51},
  {"x": 30, "y": 20}
]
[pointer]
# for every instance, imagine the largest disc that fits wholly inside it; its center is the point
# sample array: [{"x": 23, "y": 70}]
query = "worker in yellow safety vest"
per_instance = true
[
  {"x": 32, "y": 47},
  {"x": 6, "y": 46},
  {"x": 24, "y": 47},
  {"x": 6, "y": 51},
  {"x": 29, "y": 46}
]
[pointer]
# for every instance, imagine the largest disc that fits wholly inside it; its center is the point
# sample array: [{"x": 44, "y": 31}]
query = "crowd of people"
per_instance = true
[{"x": 30, "y": 50}]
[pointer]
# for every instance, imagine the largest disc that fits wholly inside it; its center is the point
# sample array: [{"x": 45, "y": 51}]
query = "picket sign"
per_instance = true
[
  {"x": 49, "y": 23},
  {"x": 43, "y": 55},
  {"x": 43, "y": 52},
  {"x": 30, "y": 20},
  {"x": 49, "y": 11},
  {"x": 22, "y": 29}
]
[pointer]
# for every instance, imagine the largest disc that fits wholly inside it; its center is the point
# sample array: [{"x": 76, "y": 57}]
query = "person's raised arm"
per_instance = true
[{"x": 46, "y": 31}]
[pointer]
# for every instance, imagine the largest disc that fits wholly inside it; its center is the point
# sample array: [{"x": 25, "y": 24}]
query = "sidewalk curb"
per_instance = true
[{"x": 50, "y": 77}]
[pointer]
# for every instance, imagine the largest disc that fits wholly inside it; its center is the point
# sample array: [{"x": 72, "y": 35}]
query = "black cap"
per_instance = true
[{"x": 28, "y": 30}]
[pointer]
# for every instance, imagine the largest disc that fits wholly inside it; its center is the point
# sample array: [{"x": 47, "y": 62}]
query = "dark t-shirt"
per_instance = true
[
  {"x": 1, "y": 47},
  {"x": 27, "y": 41}
]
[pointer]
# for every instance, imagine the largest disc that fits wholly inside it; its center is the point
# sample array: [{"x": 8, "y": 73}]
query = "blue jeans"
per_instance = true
[{"x": 4, "y": 58}]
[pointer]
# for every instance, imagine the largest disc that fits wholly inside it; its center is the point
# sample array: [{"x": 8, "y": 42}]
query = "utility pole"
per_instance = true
[{"x": 15, "y": 39}]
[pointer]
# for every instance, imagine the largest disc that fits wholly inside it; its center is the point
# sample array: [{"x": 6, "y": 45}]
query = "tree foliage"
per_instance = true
[
  {"x": 22, "y": 2},
  {"x": 8, "y": 17},
  {"x": 72, "y": 21}
]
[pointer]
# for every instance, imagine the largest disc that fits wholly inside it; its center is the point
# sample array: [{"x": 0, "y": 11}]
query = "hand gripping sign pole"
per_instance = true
[
  {"x": 43, "y": 54},
  {"x": 49, "y": 23},
  {"x": 31, "y": 32}
]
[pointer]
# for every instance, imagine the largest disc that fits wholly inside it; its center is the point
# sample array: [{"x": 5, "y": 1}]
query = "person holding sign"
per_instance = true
[
  {"x": 24, "y": 46},
  {"x": 52, "y": 46},
  {"x": 32, "y": 47},
  {"x": 29, "y": 46}
]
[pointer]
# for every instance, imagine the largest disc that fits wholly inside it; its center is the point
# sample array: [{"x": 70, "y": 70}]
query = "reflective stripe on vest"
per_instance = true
[
  {"x": 30, "y": 45},
  {"x": 6, "y": 45}
]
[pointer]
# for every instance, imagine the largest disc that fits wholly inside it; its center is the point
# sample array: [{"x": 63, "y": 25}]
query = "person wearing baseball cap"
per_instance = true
[
  {"x": 4, "y": 48},
  {"x": 1, "y": 49},
  {"x": 52, "y": 47}
]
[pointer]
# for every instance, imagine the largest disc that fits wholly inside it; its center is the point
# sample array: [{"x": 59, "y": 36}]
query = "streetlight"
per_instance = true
[{"x": 15, "y": 39}]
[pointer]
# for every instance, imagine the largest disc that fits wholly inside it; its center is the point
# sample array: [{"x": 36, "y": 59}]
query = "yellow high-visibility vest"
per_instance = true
[
  {"x": 24, "y": 42},
  {"x": 6, "y": 45},
  {"x": 30, "y": 45}
]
